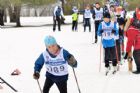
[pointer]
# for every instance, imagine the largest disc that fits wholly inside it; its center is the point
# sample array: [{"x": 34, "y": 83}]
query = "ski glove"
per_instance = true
[
  {"x": 101, "y": 31},
  {"x": 93, "y": 16},
  {"x": 126, "y": 56},
  {"x": 113, "y": 31},
  {"x": 36, "y": 75},
  {"x": 72, "y": 62}
]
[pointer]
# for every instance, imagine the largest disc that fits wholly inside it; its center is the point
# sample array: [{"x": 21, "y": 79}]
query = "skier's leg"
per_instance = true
[
  {"x": 73, "y": 25},
  {"x": 85, "y": 24},
  {"x": 114, "y": 62},
  {"x": 107, "y": 53},
  {"x": 76, "y": 25},
  {"x": 107, "y": 56},
  {"x": 107, "y": 63},
  {"x": 89, "y": 23},
  {"x": 136, "y": 55},
  {"x": 96, "y": 30},
  {"x": 59, "y": 23},
  {"x": 114, "y": 56},
  {"x": 54, "y": 23},
  {"x": 47, "y": 85},
  {"x": 62, "y": 86}
]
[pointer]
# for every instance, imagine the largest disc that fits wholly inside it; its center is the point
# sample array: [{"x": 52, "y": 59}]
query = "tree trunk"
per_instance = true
[
  {"x": 63, "y": 5},
  {"x": 1, "y": 17},
  {"x": 35, "y": 11},
  {"x": 5, "y": 15},
  {"x": 12, "y": 14},
  {"x": 17, "y": 13}
]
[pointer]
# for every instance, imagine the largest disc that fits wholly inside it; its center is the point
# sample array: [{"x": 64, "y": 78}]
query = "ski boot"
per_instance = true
[
  {"x": 115, "y": 70},
  {"x": 107, "y": 70}
]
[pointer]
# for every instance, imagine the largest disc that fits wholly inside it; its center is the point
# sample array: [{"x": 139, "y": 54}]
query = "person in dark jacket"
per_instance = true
[
  {"x": 58, "y": 16},
  {"x": 98, "y": 17}
]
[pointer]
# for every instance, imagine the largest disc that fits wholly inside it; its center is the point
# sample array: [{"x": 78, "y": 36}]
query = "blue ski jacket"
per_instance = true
[{"x": 111, "y": 41}]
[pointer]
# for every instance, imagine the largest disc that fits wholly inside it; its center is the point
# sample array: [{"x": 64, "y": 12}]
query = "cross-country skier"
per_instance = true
[
  {"x": 113, "y": 13},
  {"x": 133, "y": 36},
  {"x": 56, "y": 60},
  {"x": 118, "y": 16},
  {"x": 57, "y": 17},
  {"x": 97, "y": 16},
  {"x": 120, "y": 39},
  {"x": 75, "y": 15},
  {"x": 87, "y": 13},
  {"x": 107, "y": 30}
]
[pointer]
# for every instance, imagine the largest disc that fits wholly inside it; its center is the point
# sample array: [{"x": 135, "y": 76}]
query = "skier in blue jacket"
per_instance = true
[
  {"x": 56, "y": 60},
  {"x": 109, "y": 31}
]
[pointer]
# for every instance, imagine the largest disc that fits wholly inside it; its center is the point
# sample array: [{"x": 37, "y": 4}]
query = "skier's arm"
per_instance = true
[
  {"x": 72, "y": 16},
  {"x": 54, "y": 12},
  {"x": 93, "y": 14},
  {"x": 39, "y": 63},
  {"x": 116, "y": 28},
  {"x": 100, "y": 30},
  {"x": 70, "y": 59}
]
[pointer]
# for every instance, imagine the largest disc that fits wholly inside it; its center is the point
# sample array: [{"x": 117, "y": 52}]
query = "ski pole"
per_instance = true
[
  {"x": 100, "y": 56},
  {"x": 92, "y": 37},
  {"x": 3, "y": 81},
  {"x": 39, "y": 86},
  {"x": 117, "y": 56},
  {"x": 76, "y": 80}
]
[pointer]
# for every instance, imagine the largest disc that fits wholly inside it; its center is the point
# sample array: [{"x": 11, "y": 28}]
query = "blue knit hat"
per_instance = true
[{"x": 49, "y": 40}]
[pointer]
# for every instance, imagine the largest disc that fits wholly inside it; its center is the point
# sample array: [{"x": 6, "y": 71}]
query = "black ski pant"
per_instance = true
[
  {"x": 136, "y": 55},
  {"x": 58, "y": 20},
  {"x": 62, "y": 86},
  {"x": 74, "y": 25},
  {"x": 87, "y": 23},
  {"x": 118, "y": 47},
  {"x": 110, "y": 55},
  {"x": 96, "y": 28}
]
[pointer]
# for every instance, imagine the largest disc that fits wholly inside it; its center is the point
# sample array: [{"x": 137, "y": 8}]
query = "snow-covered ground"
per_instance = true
[
  {"x": 40, "y": 21},
  {"x": 20, "y": 47}
]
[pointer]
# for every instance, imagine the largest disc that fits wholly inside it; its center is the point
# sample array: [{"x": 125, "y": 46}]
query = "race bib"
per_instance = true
[
  {"x": 57, "y": 66},
  {"x": 56, "y": 69},
  {"x": 99, "y": 16},
  {"x": 107, "y": 35}
]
